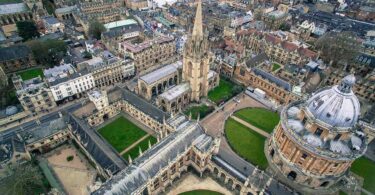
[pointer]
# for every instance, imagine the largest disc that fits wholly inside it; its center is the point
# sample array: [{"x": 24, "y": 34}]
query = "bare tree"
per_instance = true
[
  {"x": 338, "y": 47},
  {"x": 25, "y": 179}
]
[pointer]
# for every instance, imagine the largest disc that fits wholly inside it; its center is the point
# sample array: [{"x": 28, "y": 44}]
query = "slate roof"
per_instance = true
[
  {"x": 136, "y": 176},
  {"x": 45, "y": 130},
  {"x": 175, "y": 91},
  {"x": 144, "y": 106},
  {"x": 118, "y": 31},
  {"x": 255, "y": 61},
  {"x": 273, "y": 79},
  {"x": 14, "y": 52},
  {"x": 13, "y": 8},
  {"x": 160, "y": 73}
]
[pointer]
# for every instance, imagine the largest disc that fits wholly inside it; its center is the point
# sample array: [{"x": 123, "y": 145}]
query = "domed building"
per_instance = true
[{"x": 317, "y": 140}]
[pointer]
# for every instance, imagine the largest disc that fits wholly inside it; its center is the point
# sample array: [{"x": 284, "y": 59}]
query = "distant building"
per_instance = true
[
  {"x": 274, "y": 19},
  {"x": 12, "y": 13},
  {"x": 149, "y": 53},
  {"x": 34, "y": 95},
  {"x": 65, "y": 82},
  {"x": 108, "y": 70},
  {"x": 104, "y": 12},
  {"x": 52, "y": 25},
  {"x": 137, "y": 4},
  {"x": 15, "y": 58},
  {"x": 120, "y": 31},
  {"x": 277, "y": 48}
]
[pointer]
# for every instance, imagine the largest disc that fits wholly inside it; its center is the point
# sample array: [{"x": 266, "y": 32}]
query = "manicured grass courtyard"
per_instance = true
[
  {"x": 365, "y": 168},
  {"x": 226, "y": 90},
  {"x": 275, "y": 66},
  {"x": 31, "y": 73},
  {"x": 121, "y": 133},
  {"x": 201, "y": 192},
  {"x": 246, "y": 143},
  {"x": 259, "y": 117},
  {"x": 134, "y": 152},
  {"x": 202, "y": 110}
]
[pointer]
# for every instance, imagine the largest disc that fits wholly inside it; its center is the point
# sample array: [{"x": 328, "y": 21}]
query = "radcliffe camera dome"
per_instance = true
[{"x": 336, "y": 106}]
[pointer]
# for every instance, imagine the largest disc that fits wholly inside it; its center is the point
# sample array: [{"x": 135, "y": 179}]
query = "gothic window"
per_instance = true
[
  {"x": 242, "y": 72},
  {"x": 201, "y": 69},
  {"x": 190, "y": 69}
]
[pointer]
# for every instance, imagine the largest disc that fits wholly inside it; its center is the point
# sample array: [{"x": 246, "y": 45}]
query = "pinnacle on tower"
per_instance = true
[{"x": 198, "y": 28}]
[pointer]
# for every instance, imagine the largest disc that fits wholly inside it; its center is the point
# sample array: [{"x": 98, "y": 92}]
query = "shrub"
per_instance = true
[{"x": 69, "y": 158}]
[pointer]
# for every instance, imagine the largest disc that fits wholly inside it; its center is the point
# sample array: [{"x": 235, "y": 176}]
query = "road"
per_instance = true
[
  {"x": 33, "y": 122},
  {"x": 214, "y": 125}
]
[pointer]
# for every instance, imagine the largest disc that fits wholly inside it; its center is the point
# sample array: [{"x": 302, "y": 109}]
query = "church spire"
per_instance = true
[{"x": 198, "y": 28}]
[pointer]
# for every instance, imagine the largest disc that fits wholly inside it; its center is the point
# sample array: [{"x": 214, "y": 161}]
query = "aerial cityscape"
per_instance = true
[{"x": 187, "y": 97}]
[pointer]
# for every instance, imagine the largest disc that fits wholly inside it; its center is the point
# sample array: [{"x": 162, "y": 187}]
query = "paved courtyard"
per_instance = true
[
  {"x": 75, "y": 175},
  {"x": 214, "y": 123},
  {"x": 192, "y": 182}
]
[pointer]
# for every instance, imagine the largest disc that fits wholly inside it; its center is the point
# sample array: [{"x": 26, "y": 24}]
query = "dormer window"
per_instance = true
[
  {"x": 318, "y": 132},
  {"x": 337, "y": 137}
]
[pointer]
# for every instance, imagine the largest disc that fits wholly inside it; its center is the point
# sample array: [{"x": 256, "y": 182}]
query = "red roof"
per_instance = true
[
  {"x": 289, "y": 46},
  {"x": 307, "y": 53},
  {"x": 272, "y": 39}
]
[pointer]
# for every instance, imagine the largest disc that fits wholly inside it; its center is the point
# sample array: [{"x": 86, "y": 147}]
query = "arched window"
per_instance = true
[
  {"x": 292, "y": 175},
  {"x": 190, "y": 69},
  {"x": 201, "y": 69}
]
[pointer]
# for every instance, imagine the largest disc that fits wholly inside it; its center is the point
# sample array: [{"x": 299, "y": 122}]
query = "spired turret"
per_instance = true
[
  {"x": 197, "y": 44},
  {"x": 196, "y": 59},
  {"x": 317, "y": 141}
]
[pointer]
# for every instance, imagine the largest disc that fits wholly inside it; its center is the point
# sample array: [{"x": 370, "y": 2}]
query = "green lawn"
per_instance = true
[
  {"x": 203, "y": 110},
  {"x": 134, "y": 152},
  {"x": 201, "y": 192},
  {"x": 365, "y": 168},
  {"x": 121, "y": 133},
  {"x": 259, "y": 117},
  {"x": 31, "y": 73},
  {"x": 226, "y": 90},
  {"x": 246, "y": 143},
  {"x": 275, "y": 67}
]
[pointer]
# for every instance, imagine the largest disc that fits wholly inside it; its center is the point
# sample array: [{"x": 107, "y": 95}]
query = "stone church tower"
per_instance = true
[{"x": 196, "y": 59}]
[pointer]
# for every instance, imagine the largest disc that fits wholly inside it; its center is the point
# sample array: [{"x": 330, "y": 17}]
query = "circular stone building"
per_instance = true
[{"x": 317, "y": 140}]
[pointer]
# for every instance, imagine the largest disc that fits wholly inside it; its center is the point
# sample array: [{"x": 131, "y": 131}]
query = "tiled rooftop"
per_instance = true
[{"x": 135, "y": 48}]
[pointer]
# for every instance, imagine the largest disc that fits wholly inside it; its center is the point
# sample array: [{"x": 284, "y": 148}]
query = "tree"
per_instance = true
[
  {"x": 284, "y": 26},
  {"x": 49, "y": 52},
  {"x": 25, "y": 179},
  {"x": 27, "y": 30},
  {"x": 95, "y": 29},
  {"x": 87, "y": 55},
  {"x": 338, "y": 47}
]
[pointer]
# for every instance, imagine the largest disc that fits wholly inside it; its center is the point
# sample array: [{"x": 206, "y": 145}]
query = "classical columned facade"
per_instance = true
[{"x": 316, "y": 141}]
